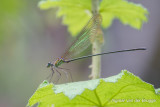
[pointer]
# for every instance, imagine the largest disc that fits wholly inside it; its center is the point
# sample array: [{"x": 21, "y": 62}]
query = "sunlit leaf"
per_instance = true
[
  {"x": 76, "y": 13},
  {"x": 127, "y": 12},
  {"x": 122, "y": 90}
]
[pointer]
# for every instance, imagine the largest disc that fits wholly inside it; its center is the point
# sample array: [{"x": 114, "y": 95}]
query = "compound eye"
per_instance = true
[{"x": 49, "y": 64}]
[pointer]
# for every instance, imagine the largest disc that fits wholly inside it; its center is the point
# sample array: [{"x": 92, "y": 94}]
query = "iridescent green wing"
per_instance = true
[{"x": 85, "y": 37}]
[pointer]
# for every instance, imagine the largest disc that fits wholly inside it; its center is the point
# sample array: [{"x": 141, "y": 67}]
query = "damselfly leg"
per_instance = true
[
  {"x": 58, "y": 74},
  {"x": 66, "y": 73},
  {"x": 53, "y": 69}
]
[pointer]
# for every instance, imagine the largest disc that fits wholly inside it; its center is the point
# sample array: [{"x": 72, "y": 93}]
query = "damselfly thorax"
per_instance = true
[
  {"x": 55, "y": 67},
  {"x": 57, "y": 63}
]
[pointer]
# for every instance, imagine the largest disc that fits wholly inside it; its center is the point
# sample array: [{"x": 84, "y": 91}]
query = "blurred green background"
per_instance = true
[{"x": 30, "y": 38}]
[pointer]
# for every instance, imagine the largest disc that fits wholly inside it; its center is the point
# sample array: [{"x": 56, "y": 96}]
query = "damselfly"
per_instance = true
[{"x": 82, "y": 42}]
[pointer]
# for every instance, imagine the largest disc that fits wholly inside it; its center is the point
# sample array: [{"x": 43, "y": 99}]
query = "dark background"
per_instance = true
[{"x": 30, "y": 38}]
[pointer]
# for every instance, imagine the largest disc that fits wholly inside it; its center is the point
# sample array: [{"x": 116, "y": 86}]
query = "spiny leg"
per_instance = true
[
  {"x": 51, "y": 74},
  {"x": 59, "y": 74},
  {"x": 66, "y": 73}
]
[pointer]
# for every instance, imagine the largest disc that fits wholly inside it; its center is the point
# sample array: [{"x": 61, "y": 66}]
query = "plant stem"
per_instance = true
[
  {"x": 95, "y": 5},
  {"x": 96, "y": 48}
]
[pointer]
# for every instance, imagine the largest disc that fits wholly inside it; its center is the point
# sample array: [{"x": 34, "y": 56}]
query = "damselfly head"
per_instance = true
[{"x": 49, "y": 65}]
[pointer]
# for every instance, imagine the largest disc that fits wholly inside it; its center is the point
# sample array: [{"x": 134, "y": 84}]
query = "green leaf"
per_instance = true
[
  {"x": 122, "y": 90},
  {"x": 127, "y": 12},
  {"x": 76, "y": 13}
]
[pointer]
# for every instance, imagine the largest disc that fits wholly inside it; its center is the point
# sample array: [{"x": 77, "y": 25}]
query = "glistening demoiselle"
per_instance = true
[{"x": 82, "y": 42}]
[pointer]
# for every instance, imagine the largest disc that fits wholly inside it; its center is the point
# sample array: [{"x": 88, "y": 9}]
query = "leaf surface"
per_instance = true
[
  {"x": 76, "y": 13},
  {"x": 122, "y": 90}
]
